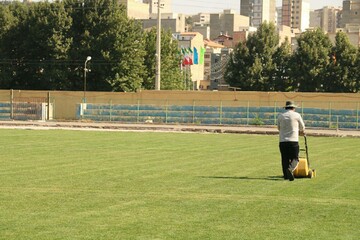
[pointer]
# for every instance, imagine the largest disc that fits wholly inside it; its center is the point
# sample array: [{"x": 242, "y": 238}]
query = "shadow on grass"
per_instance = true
[{"x": 270, "y": 178}]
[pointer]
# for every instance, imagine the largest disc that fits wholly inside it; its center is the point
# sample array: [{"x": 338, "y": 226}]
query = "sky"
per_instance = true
[{"x": 217, "y": 6}]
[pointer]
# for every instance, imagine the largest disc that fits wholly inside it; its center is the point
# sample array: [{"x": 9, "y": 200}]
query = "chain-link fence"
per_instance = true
[
  {"x": 26, "y": 108},
  {"x": 315, "y": 114}
]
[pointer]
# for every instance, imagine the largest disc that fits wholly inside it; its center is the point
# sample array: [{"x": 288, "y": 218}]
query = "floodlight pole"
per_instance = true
[
  {"x": 85, "y": 70},
  {"x": 158, "y": 48}
]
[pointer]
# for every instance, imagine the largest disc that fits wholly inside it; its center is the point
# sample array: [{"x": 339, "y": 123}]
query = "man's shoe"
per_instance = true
[{"x": 290, "y": 175}]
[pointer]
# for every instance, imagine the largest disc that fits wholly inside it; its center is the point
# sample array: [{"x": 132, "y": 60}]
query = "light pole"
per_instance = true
[
  {"x": 158, "y": 48},
  {"x": 85, "y": 70}
]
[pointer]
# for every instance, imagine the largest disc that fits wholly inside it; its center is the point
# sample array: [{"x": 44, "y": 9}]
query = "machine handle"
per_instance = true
[{"x": 306, "y": 151}]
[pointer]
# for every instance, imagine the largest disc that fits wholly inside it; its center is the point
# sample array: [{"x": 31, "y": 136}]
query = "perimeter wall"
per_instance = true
[{"x": 65, "y": 102}]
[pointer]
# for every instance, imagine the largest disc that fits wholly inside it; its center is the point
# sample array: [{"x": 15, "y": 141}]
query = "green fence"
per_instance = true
[
  {"x": 340, "y": 115},
  {"x": 26, "y": 109}
]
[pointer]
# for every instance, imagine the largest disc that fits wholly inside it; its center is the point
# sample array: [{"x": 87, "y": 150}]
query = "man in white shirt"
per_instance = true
[{"x": 290, "y": 124}]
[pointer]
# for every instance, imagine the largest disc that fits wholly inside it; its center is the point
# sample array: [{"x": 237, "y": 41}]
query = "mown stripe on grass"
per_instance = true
[{"x": 181, "y": 196}]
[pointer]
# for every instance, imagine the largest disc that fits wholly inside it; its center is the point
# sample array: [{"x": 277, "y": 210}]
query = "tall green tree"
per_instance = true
[
  {"x": 13, "y": 17},
  {"x": 281, "y": 72},
  {"x": 7, "y": 22},
  {"x": 310, "y": 61},
  {"x": 115, "y": 43},
  {"x": 171, "y": 76},
  {"x": 357, "y": 72},
  {"x": 262, "y": 46},
  {"x": 150, "y": 59},
  {"x": 341, "y": 69},
  {"x": 251, "y": 66},
  {"x": 37, "y": 45},
  {"x": 79, "y": 49},
  {"x": 236, "y": 72},
  {"x": 48, "y": 44}
]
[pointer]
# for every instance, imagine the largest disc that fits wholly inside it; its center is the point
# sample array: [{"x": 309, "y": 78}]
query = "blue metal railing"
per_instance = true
[{"x": 221, "y": 113}]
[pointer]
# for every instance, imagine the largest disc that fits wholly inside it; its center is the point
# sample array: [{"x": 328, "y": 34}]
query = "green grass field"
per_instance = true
[{"x": 61, "y": 184}]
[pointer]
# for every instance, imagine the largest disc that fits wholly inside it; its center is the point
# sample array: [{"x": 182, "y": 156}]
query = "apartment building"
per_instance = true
[
  {"x": 201, "y": 24},
  {"x": 173, "y": 21},
  {"x": 258, "y": 11},
  {"x": 296, "y": 14},
  {"x": 164, "y": 4},
  {"x": 201, "y": 19},
  {"x": 227, "y": 22},
  {"x": 203, "y": 29},
  {"x": 327, "y": 18},
  {"x": 350, "y": 13},
  {"x": 279, "y": 16}
]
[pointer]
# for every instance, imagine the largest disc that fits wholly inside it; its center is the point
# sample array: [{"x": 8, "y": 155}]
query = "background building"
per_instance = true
[
  {"x": 201, "y": 18},
  {"x": 296, "y": 14},
  {"x": 279, "y": 16},
  {"x": 226, "y": 23},
  {"x": 153, "y": 6},
  {"x": 350, "y": 13},
  {"x": 352, "y": 34},
  {"x": 203, "y": 29},
  {"x": 189, "y": 41},
  {"x": 258, "y": 11},
  {"x": 211, "y": 48},
  {"x": 173, "y": 21},
  {"x": 218, "y": 67},
  {"x": 136, "y": 9},
  {"x": 327, "y": 18},
  {"x": 286, "y": 32}
]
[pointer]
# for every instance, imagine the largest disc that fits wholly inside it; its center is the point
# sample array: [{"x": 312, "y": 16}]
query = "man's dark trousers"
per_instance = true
[{"x": 289, "y": 152}]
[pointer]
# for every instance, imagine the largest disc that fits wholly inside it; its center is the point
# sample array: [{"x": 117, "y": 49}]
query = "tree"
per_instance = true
[
  {"x": 357, "y": 73},
  {"x": 281, "y": 74},
  {"x": 251, "y": 66},
  {"x": 236, "y": 72},
  {"x": 11, "y": 37},
  {"x": 189, "y": 21},
  {"x": 341, "y": 69},
  {"x": 310, "y": 61},
  {"x": 150, "y": 59},
  {"x": 79, "y": 49},
  {"x": 171, "y": 77},
  {"x": 47, "y": 45},
  {"x": 7, "y": 22},
  {"x": 115, "y": 43},
  {"x": 262, "y": 46},
  {"x": 37, "y": 45}
]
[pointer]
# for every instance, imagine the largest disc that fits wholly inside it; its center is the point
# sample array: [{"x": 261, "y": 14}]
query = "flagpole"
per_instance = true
[{"x": 158, "y": 48}]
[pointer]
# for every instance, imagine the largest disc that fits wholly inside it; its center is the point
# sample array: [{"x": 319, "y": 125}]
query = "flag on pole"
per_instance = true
[
  {"x": 202, "y": 54},
  {"x": 196, "y": 56},
  {"x": 187, "y": 56}
]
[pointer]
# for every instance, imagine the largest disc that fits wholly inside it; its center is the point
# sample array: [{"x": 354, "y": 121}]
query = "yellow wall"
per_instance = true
[{"x": 65, "y": 101}]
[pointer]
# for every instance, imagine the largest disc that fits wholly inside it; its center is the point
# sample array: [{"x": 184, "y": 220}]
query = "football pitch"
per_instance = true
[{"x": 63, "y": 184}]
